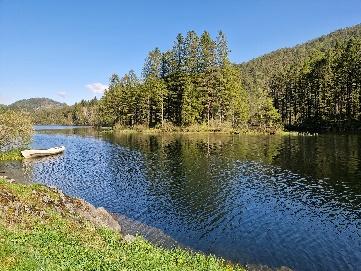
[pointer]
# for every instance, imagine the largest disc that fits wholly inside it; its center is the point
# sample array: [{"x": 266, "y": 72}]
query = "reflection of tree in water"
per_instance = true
[
  {"x": 333, "y": 156},
  {"x": 213, "y": 191},
  {"x": 193, "y": 172},
  {"x": 332, "y": 164},
  {"x": 194, "y": 169},
  {"x": 81, "y": 131}
]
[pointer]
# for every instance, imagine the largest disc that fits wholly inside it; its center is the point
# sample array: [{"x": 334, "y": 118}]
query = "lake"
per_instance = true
[{"x": 276, "y": 200}]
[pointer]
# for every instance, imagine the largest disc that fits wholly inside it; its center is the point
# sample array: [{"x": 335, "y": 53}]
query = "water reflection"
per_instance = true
[{"x": 274, "y": 200}]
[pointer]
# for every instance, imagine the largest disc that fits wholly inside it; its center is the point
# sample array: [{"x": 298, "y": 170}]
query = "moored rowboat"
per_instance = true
[{"x": 41, "y": 153}]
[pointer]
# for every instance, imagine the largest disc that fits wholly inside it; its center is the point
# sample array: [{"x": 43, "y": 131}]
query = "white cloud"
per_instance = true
[
  {"x": 61, "y": 94},
  {"x": 97, "y": 88},
  {"x": 4, "y": 99}
]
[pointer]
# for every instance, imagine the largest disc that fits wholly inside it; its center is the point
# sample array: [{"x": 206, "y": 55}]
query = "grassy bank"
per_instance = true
[
  {"x": 42, "y": 229},
  {"x": 11, "y": 155},
  {"x": 199, "y": 128}
]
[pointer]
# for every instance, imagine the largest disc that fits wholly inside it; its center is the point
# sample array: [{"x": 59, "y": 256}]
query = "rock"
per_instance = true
[
  {"x": 108, "y": 219},
  {"x": 260, "y": 267},
  {"x": 47, "y": 199},
  {"x": 129, "y": 238},
  {"x": 98, "y": 216},
  {"x": 17, "y": 206},
  {"x": 42, "y": 214}
]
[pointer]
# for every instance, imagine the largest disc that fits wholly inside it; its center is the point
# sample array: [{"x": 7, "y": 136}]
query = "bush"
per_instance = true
[
  {"x": 15, "y": 130},
  {"x": 11, "y": 155},
  {"x": 167, "y": 127}
]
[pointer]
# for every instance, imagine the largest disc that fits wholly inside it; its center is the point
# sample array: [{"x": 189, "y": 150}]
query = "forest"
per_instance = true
[
  {"x": 315, "y": 86},
  {"x": 323, "y": 92},
  {"x": 194, "y": 83},
  {"x": 312, "y": 87}
]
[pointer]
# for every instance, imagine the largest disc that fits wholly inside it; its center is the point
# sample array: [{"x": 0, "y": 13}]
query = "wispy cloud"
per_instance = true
[
  {"x": 61, "y": 94},
  {"x": 97, "y": 88},
  {"x": 3, "y": 99}
]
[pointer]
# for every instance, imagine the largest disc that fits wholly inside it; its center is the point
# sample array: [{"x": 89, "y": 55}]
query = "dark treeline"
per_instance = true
[
  {"x": 323, "y": 92},
  {"x": 315, "y": 86},
  {"x": 193, "y": 83}
]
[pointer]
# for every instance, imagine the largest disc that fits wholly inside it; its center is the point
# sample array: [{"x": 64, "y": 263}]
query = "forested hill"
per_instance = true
[
  {"x": 48, "y": 111},
  {"x": 262, "y": 68},
  {"x": 315, "y": 85},
  {"x": 34, "y": 104}
]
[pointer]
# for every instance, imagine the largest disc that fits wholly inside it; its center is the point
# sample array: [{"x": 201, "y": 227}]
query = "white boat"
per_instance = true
[{"x": 41, "y": 153}]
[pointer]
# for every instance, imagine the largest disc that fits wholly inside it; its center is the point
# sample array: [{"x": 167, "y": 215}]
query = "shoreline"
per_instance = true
[
  {"x": 71, "y": 229},
  {"x": 278, "y": 132},
  {"x": 95, "y": 220},
  {"x": 180, "y": 132}
]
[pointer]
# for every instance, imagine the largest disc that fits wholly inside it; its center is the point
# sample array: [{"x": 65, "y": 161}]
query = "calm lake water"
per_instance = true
[{"x": 276, "y": 200}]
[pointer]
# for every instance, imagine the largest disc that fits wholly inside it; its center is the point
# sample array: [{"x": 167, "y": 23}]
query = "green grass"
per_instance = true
[
  {"x": 11, "y": 155},
  {"x": 38, "y": 232},
  {"x": 196, "y": 128}
]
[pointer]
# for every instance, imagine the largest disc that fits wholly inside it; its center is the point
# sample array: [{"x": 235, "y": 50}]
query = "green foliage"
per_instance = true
[
  {"x": 85, "y": 113},
  {"x": 324, "y": 91},
  {"x": 192, "y": 84},
  {"x": 15, "y": 130},
  {"x": 11, "y": 155},
  {"x": 37, "y": 232},
  {"x": 315, "y": 85},
  {"x": 81, "y": 113},
  {"x": 59, "y": 115},
  {"x": 47, "y": 111},
  {"x": 191, "y": 103}
]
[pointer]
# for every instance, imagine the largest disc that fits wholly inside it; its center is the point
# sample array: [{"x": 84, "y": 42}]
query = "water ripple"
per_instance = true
[{"x": 268, "y": 200}]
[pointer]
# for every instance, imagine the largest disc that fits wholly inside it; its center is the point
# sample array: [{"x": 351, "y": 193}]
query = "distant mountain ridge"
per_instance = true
[{"x": 36, "y": 104}]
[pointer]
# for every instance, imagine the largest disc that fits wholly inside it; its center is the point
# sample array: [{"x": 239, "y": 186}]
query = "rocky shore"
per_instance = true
[
  {"x": 26, "y": 207},
  {"x": 41, "y": 228}
]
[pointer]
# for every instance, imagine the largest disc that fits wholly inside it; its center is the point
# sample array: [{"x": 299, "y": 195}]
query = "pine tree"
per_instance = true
[
  {"x": 191, "y": 53},
  {"x": 154, "y": 88}
]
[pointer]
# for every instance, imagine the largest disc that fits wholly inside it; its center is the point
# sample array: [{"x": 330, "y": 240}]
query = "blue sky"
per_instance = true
[{"x": 66, "y": 50}]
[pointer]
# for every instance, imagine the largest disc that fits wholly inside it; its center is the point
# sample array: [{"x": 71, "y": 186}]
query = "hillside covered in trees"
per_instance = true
[
  {"x": 81, "y": 113},
  {"x": 34, "y": 104},
  {"x": 315, "y": 85},
  {"x": 48, "y": 111}
]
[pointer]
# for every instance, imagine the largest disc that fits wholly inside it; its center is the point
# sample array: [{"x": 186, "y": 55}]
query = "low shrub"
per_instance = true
[{"x": 15, "y": 130}]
